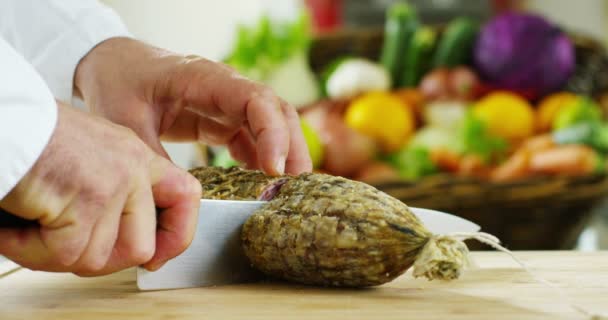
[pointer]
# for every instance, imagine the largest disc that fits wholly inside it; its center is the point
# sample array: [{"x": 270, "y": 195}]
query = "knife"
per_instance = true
[{"x": 215, "y": 256}]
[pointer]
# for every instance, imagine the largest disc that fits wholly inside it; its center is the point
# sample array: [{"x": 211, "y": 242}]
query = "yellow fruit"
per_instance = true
[
  {"x": 549, "y": 108},
  {"x": 383, "y": 117},
  {"x": 314, "y": 143},
  {"x": 506, "y": 115}
]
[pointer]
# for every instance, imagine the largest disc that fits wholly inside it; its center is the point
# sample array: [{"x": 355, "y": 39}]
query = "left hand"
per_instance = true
[{"x": 158, "y": 94}]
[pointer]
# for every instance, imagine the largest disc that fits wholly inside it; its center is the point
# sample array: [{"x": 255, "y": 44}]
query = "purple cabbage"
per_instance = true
[{"x": 525, "y": 52}]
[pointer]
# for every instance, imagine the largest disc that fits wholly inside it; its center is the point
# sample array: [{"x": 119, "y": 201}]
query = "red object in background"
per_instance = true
[
  {"x": 500, "y": 6},
  {"x": 326, "y": 14}
]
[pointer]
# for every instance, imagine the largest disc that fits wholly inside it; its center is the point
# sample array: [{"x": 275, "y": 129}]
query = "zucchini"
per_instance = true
[
  {"x": 418, "y": 56},
  {"x": 456, "y": 45},
  {"x": 401, "y": 23}
]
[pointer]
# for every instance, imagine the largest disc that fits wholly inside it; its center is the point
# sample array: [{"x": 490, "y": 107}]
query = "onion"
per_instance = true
[
  {"x": 463, "y": 84},
  {"x": 435, "y": 85},
  {"x": 346, "y": 150}
]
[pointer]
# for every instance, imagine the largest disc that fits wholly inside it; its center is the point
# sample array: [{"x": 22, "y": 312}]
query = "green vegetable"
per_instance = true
[
  {"x": 584, "y": 110},
  {"x": 418, "y": 57},
  {"x": 401, "y": 23},
  {"x": 474, "y": 138},
  {"x": 413, "y": 162},
  {"x": 456, "y": 44},
  {"x": 593, "y": 134},
  {"x": 223, "y": 159},
  {"x": 276, "y": 53},
  {"x": 258, "y": 49}
]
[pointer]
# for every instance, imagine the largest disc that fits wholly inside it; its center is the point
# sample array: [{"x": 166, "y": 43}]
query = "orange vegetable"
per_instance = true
[
  {"x": 376, "y": 172},
  {"x": 567, "y": 159},
  {"x": 549, "y": 108},
  {"x": 515, "y": 167},
  {"x": 539, "y": 143},
  {"x": 413, "y": 99},
  {"x": 473, "y": 166},
  {"x": 445, "y": 160}
]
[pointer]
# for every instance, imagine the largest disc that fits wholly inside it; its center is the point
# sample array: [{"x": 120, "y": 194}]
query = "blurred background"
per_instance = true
[{"x": 492, "y": 110}]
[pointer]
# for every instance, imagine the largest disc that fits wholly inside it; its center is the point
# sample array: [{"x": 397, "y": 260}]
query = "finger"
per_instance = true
[
  {"x": 26, "y": 248},
  {"x": 213, "y": 86},
  {"x": 242, "y": 148},
  {"x": 298, "y": 159},
  {"x": 137, "y": 233},
  {"x": 153, "y": 141},
  {"x": 178, "y": 193},
  {"x": 102, "y": 240},
  {"x": 269, "y": 128},
  {"x": 213, "y": 132},
  {"x": 55, "y": 247},
  {"x": 68, "y": 236}
]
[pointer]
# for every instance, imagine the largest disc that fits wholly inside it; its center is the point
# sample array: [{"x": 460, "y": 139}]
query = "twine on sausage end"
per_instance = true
[{"x": 444, "y": 257}]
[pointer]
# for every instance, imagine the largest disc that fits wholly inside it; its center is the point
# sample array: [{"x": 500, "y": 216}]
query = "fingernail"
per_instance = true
[
  {"x": 154, "y": 267},
  {"x": 280, "y": 165}
]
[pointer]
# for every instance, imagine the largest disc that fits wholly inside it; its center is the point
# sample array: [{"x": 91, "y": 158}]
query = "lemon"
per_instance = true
[
  {"x": 314, "y": 143},
  {"x": 383, "y": 117},
  {"x": 506, "y": 115}
]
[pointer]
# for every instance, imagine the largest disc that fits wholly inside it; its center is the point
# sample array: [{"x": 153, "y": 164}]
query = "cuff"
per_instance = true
[
  {"x": 58, "y": 65},
  {"x": 24, "y": 133}
]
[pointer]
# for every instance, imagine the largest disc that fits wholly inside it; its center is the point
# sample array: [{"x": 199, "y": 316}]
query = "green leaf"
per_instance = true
[
  {"x": 413, "y": 162},
  {"x": 224, "y": 160},
  {"x": 259, "y": 49},
  {"x": 474, "y": 138}
]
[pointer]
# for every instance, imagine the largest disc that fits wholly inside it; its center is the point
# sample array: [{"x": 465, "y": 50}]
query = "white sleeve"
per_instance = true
[
  {"x": 28, "y": 114},
  {"x": 53, "y": 35}
]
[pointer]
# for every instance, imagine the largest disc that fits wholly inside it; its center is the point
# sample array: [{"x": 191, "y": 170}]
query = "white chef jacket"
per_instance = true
[{"x": 41, "y": 43}]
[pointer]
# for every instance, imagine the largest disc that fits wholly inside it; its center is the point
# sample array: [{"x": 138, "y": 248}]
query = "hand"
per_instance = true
[
  {"x": 93, "y": 191},
  {"x": 161, "y": 94}
]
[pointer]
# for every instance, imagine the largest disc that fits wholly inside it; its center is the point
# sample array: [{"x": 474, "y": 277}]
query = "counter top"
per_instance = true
[{"x": 496, "y": 289}]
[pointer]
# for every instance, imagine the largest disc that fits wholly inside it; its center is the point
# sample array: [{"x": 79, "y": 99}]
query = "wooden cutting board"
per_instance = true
[{"x": 497, "y": 289}]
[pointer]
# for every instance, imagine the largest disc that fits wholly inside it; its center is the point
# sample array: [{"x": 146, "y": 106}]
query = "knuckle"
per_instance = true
[
  {"x": 183, "y": 243},
  {"x": 228, "y": 68},
  {"x": 141, "y": 254},
  {"x": 66, "y": 252},
  {"x": 133, "y": 145},
  {"x": 92, "y": 264},
  {"x": 265, "y": 91},
  {"x": 196, "y": 188},
  {"x": 101, "y": 197}
]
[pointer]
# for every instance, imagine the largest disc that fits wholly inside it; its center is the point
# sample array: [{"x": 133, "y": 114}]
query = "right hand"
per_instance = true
[{"x": 94, "y": 192}]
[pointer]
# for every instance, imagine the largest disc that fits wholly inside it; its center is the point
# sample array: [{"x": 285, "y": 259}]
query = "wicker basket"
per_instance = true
[
  {"x": 540, "y": 213},
  {"x": 534, "y": 214}
]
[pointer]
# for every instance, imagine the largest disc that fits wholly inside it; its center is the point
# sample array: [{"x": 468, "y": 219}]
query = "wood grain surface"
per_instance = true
[{"x": 496, "y": 289}]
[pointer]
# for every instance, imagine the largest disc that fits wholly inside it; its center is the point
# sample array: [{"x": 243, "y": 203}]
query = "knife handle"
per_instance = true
[{"x": 9, "y": 220}]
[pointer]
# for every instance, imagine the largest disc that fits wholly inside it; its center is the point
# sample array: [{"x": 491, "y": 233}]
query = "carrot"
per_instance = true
[
  {"x": 514, "y": 168},
  {"x": 445, "y": 160},
  {"x": 567, "y": 159},
  {"x": 539, "y": 143},
  {"x": 473, "y": 165}
]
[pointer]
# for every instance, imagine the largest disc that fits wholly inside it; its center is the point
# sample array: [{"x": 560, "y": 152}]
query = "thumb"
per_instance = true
[
  {"x": 178, "y": 195},
  {"x": 25, "y": 247}
]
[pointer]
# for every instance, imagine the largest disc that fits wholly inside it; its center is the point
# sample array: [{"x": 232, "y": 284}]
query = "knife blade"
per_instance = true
[{"x": 215, "y": 256}]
